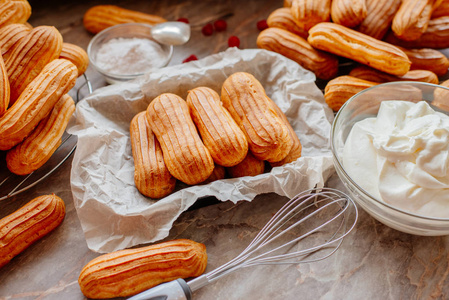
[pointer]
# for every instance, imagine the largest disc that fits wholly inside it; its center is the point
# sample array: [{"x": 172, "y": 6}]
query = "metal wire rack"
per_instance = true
[{"x": 12, "y": 184}]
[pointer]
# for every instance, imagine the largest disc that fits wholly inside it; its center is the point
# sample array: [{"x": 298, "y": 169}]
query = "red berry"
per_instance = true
[
  {"x": 262, "y": 24},
  {"x": 185, "y": 20},
  {"x": 190, "y": 58},
  {"x": 233, "y": 41},
  {"x": 220, "y": 25},
  {"x": 208, "y": 29}
]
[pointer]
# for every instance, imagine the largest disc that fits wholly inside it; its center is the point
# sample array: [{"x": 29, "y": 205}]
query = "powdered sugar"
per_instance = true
[{"x": 127, "y": 56}]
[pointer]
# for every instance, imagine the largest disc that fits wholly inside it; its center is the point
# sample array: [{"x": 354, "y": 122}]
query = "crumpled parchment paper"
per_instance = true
[{"x": 112, "y": 212}]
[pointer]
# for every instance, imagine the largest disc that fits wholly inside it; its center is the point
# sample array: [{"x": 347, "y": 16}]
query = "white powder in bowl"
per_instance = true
[{"x": 127, "y": 56}]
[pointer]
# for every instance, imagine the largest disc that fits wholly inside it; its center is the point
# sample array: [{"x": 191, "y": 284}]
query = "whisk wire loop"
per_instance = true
[
  {"x": 328, "y": 211},
  {"x": 264, "y": 258}
]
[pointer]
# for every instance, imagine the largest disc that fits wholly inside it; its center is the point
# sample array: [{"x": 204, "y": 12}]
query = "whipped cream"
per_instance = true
[{"x": 402, "y": 157}]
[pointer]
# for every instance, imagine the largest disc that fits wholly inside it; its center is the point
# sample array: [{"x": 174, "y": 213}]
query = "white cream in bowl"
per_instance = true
[{"x": 402, "y": 157}]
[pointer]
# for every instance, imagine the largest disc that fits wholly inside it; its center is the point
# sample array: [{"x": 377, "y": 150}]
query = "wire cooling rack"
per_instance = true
[{"x": 12, "y": 184}]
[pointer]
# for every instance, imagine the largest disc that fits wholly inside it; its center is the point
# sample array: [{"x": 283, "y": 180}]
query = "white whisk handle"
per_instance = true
[{"x": 173, "y": 290}]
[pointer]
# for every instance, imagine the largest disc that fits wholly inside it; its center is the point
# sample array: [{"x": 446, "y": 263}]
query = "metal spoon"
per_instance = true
[{"x": 171, "y": 33}]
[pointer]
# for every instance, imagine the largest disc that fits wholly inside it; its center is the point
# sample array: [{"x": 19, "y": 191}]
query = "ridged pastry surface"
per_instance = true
[
  {"x": 76, "y": 55},
  {"x": 221, "y": 135},
  {"x": 28, "y": 224},
  {"x": 296, "y": 150},
  {"x": 428, "y": 59},
  {"x": 127, "y": 272},
  {"x": 36, "y": 102},
  {"x": 380, "y": 14},
  {"x": 340, "y": 89},
  {"x": 349, "y": 13},
  {"x": 100, "y": 17},
  {"x": 311, "y": 12},
  {"x": 324, "y": 65},
  {"x": 185, "y": 155},
  {"x": 412, "y": 18},
  {"x": 370, "y": 74},
  {"x": 10, "y": 36},
  {"x": 39, "y": 47},
  {"x": 360, "y": 47},
  {"x": 283, "y": 18},
  {"x": 14, "y": 11},
  {"x": 39, "y": 146},
  {"x": 151, "y": 175},
  {"x": 245, "y": 98}
]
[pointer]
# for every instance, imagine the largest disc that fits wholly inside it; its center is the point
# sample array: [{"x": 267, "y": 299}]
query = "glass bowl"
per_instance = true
[
  {"x": 122, "y": 62},
  {"x": 366, "y": 104}
]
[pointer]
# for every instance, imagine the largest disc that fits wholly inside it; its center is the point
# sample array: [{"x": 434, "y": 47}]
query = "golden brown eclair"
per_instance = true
[
  {"x": 245, "y": 98},
  {"x": 36, "y": 101},
  {"x": 324, "y": 65},
  {"x": 151, "y": 175},
  {"x": 39, "y": 47},
  {"x": 380, "y": 14},
  {"x": 360, "y": 47},
  {"x": 39, "y": 146},
  {"x": 283, "y": 18},
  {"x": 221, "y": 135},
  {"x": 250, "y": 166},
  {"x": 436, "y": 36},
  {"x": 349, "y": 13},
  {"x": 127, "y": 272},
  {"x": 100, "y": 17},
  {"x": 296, "y": 150},
  {"x": 185, "y": 155},
  {"x": 10, "y": 36},
  {"x": 412, "y": 18},
  {"x": 370, "y": 74},
  {"x": 76, "y": 55},
  {"x": 28, "y": 224},
  {"x": 340, "y": 89},
  {"x": 428, "y": 59},
  {"x": 14, "y": 11},
  {"x": 311, "y": 12}
]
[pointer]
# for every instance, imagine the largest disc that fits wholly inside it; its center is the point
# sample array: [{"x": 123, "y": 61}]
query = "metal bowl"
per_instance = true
[{"x": 160, "y": 54}]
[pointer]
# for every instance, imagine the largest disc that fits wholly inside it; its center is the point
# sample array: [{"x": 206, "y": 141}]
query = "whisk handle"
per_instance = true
[{"x": 173, "y": 290}]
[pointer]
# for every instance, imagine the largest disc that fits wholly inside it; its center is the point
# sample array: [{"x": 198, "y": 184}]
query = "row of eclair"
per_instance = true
[
  {"x": 189, "y": 139},
  {"x": 391, "y": 40}
]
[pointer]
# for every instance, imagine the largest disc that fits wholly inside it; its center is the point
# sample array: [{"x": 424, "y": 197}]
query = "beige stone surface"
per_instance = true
[{"x": 374, "y": 262}]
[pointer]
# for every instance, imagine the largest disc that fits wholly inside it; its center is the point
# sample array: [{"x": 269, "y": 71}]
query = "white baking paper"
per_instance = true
[{"x": 112, "y": 212}]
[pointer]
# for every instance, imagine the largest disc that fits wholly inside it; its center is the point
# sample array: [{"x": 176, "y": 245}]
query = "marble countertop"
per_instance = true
[{"x": 374, "y": 261}]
